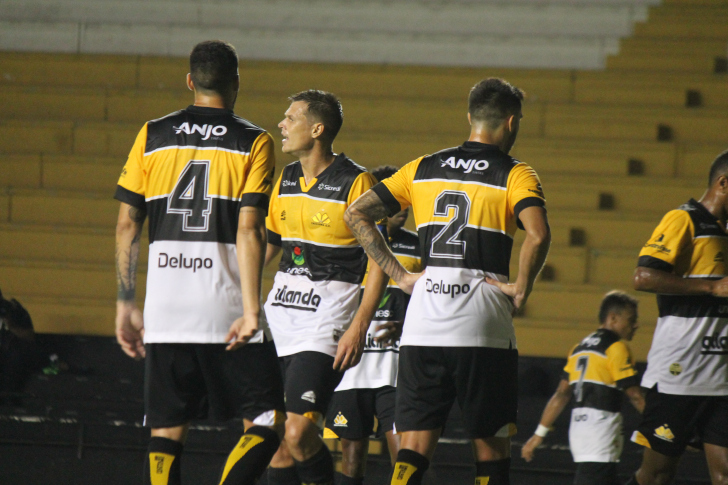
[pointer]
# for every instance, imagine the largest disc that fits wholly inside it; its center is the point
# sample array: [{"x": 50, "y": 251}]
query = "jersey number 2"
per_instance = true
[
  {"x": 190, "y": 196},
  {"x": 447, "y": 243}
]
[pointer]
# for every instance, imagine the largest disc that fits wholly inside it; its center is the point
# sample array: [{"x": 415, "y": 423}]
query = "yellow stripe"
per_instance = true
[
  {"x": 482, "y": 480},
  {"x": 247, "y": 442},
  {"x": 159, "y": 466},
  {"x": 640, "y": 439},
  {"x": 402, "y": 473}
]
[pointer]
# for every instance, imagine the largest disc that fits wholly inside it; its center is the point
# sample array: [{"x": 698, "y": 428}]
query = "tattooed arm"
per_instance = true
[
  {"x": 129, "y": 321},
  {"x": 361, "y": 217}
]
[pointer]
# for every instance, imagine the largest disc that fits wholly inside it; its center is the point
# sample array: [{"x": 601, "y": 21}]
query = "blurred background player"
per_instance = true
[
  {"x": 458, "y": 339},
  {"x": 687, "y": 366},
  {"x": 316, "y": 289},
  {"x": 204, "y": 177},
  {"x": 598, "y": 370},
  {"x": 368, "y": 390}
]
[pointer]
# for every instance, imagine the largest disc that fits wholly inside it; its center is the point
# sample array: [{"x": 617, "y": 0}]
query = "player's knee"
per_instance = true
[{"x": 300, "y": 432}]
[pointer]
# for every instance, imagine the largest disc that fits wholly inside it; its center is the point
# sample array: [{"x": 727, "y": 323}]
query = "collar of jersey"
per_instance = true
[
  {"x": 701, "y": 208},
  {"x": 305, "y": 188},
  {"x": 204, "y": 110},
  {"x": 478, "y": 147}
]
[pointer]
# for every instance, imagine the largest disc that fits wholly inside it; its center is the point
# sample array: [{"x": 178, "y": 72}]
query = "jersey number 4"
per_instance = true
[
  {"x": 447, "y": 243},
  {"x": 190, "y": 196}
]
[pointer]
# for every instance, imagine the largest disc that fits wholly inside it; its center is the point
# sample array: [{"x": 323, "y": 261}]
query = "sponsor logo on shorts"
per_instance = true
[
  {"x": 297, "y": 300},
  {"x": 467, "y": 165},
  {"x": 204, "y": 130},
  {"x": 309, "y": 396},
  {"x": 664, "y": 433},
  {"x": 442, "y": 288},
  {"x": 182, "y": 262},
  {"x": 715, "y": 345},
  {"x": 341, "y": 421},
  {"x": 676, "y": 369}
]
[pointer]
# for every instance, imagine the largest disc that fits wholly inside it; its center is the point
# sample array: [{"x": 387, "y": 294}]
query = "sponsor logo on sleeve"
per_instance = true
[
  {"x": 206, "y": 131},
  {"x": 443, "y": 288},
  {"x": 466, "y": 165},
  {"x": 660, "y": 247},
  {"x": 182, "y": 262}
]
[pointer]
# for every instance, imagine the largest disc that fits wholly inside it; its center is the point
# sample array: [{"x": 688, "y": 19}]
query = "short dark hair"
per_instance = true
[
  {"x": 384, "y": 172},
  {"x": 493, "y": 100},
  {"x": 615, "y": 301},
  {"x": 213, "y": 66},
  {"x": 325, "y": 108},
  {"x": 718, "y": 168}
]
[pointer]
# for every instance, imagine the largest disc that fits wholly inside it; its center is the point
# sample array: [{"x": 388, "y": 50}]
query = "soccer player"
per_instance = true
[
  {"x": 458, "y": 339},
  {"x": 368, "y": 390},
  {"x": 316, "y": 289},
  {"x": 203, "y": 175},
  {"x": 684, "y": 262},
  {"x": 598, "y": 369}
]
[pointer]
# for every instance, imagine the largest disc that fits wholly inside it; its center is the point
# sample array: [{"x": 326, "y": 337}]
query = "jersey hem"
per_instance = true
[
  {"x": 493, "y": 343},
  {"x": 307, "y": 347}
]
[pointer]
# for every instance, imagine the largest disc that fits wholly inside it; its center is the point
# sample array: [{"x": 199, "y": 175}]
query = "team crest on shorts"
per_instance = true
[
  {"x": 309, "y": 396},
  {"x": 664, "y": 433},
  {"x": 340, "y": 420}
]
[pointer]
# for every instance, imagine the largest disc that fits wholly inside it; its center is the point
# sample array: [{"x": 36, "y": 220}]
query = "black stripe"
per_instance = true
[
  {"x": 221, "y": 226},
  {"x": 692, "y": 306},
  {"x": 654, "y": 263},
  {"x": 525, "y": 204},
  {"x": 129, "y": 197},
  {"x": 273, "y": 238},
  {"x": 599, "y": 341},
  {"x": 485, "y": 250},
  {"x": 254, "y": 200},
  {"x": 346, "y": 263},
  {"x": 628, "y": 382},
  {"x": 387, "y": 198},
  {"x": 599, "y": 396}
]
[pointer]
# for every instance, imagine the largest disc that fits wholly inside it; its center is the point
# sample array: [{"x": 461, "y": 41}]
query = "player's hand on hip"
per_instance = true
[
  {"x": 517, "y": 295},
  {"x": 407, "y": 283},
  {"x": 387, "y": 333},
  {"x": 530, "y": 447},
  {"x": 130, "y": 329},
  {"x": 241, "y": 331},
  {"x": 351, "y": 346}
]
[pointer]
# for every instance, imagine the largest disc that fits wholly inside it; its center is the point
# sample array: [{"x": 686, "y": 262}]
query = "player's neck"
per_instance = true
[
  {"x": 480, "y": 134},
  {"x": 315, "y": 161},
  {"x": 214, "y": 101},
  {"x": 714, "y": 203}
]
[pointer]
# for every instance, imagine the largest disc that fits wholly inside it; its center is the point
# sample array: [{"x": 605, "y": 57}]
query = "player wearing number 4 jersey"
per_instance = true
[
  {"x": 598, "y": 369},
  {"x": 203, "y": 175},
  {"x": 458, "y": 339}
]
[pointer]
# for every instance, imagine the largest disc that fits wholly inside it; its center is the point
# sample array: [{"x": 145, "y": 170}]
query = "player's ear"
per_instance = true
[
  {"x": 470, "y": 121},
  {"x": 317, "y": 130},
  {"x": 511, "y": 123},
  {"x": 190, "y": 84}
]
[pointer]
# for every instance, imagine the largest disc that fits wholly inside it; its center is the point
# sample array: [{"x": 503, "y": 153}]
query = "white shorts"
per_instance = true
[{"x": 595, "y": 435}]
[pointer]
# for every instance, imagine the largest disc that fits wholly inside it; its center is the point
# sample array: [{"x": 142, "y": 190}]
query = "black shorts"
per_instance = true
[
  {"x": 484, "y": 381},
  {"x": 593, "y": 473},
  {"x": 670, "y": 421},
  {"x": 310, "y": 381},
  {"x": 351, "y": 412},
  {"x": 183, "y": 382}
]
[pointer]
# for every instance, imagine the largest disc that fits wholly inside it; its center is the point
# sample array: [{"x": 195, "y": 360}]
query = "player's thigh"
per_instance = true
[
  {"x": 595, "y": 473},
  {"x": 668, "y": 422},
  {"x": 351, "y": 414},
  {"x": 245, "y": 382},
  {"x": 174, "y": 391},
  {"x": 487, "y": 389},
  {"x": 425, "y": 389},
  {"x": 309, "y": 382}
]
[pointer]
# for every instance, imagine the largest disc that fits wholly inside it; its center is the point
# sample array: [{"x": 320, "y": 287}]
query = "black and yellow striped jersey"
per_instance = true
[
  {"x": 307, "y": 221},
  {"x": 466, "y": 202},
  {"x": 598, "y": 369},
  {"x": 192, "y": 171},
  {"x": 689, "y": 353}
]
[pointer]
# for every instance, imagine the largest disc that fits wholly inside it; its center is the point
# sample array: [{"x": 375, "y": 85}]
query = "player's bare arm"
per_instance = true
[
  {"x": 351, "y": 344},
  {"x": 271, "y": 252},
  {"x": 533, "y": 254},
  {"x": 129, "y": 320},
  {"x": 636, "y": 397},
  {"x": 653, "y": 280},
  {"x": 361, "y": 217},
  {"x": 251, "y": 248},
  {"x": 551, "y": 412}
]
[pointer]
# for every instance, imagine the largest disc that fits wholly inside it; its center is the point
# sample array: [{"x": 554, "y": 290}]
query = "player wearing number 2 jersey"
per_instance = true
[
  {"x": 203, "y": 175},
  {"x": 598, "y": 369},
  {"x": 458, "y": 339}
]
